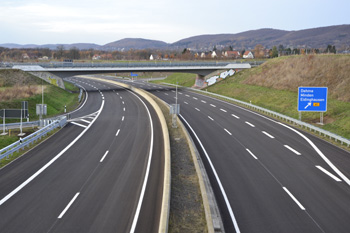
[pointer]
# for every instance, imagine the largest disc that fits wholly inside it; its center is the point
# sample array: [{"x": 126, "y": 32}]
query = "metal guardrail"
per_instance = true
[
  {"x": 291, "y": 120},
  {"x": 16, "y": 146}
]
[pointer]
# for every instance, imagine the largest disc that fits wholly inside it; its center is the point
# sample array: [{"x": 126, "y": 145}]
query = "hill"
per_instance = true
[
  {"x": 312, "y": 38},
  {"x": 135, "y": 43}
]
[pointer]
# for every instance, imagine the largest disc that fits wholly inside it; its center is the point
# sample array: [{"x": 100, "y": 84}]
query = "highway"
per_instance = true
[
  {"x": 266, "y": 175},
  {"x": 103, "y": 172}
]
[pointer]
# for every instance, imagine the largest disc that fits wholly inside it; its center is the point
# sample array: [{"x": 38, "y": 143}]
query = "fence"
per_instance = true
[
  {"x": 16, "y": 146},
  {"x": 291, "y": 120}
]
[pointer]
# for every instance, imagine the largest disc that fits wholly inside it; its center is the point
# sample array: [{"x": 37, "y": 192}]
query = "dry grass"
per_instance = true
[
  {"x": 19, "y": 92},
  {"x": 288, "y": 73}
]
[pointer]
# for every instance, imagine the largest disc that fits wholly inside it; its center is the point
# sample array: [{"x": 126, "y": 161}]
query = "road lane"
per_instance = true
[{"x": 263, "y": 189}]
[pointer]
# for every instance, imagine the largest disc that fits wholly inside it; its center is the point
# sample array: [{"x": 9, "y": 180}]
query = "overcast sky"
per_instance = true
[{"x": 104, "y": 21}]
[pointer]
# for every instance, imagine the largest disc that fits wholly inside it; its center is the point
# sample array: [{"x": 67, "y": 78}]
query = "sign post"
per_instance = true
[
  {"x": 312, "y": 99},
  {"x": 133, "y": 75}
]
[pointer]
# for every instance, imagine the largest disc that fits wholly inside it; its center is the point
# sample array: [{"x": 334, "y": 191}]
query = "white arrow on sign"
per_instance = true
[{"x": 309, "y": 104}]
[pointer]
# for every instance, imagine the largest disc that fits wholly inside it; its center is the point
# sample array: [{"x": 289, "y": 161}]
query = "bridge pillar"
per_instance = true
[{"x": 200, "y": 81}]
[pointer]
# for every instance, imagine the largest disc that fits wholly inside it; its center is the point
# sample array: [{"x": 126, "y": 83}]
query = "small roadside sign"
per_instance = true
[
  {"x": 312, "y": 99},
  {"x": 133, "y": 75}
]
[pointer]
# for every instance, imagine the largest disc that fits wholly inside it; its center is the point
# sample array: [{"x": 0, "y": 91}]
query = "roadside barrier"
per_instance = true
[{"x": 23, "y": 142}]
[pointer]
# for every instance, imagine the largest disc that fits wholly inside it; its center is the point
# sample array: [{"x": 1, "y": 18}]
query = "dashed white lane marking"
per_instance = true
[
  {"x": 294, "y": 199},
  {"x": 104, "y": 156},
  {"x": 165, "y": 93},
  {"x": 235, "y": 116},
  {"x": 291, "y": 149},
  {"x": 124, "y": 109},
  {"x": 117, "y": 133},
  {"x": 251, "y": 154},
  {"x": 172, "y": 90},
  {"x": 180, "y": 93},
  {"x": 117, "y": 93},
  {"x": 213, "y": 105},
  {"x": 74, "y": 123},
  {"x": 123, "y": 118},
  {"x": 267, "y": 134},
  {"x": 157, "y": 91},
  {"x": 123, "y": 102},
  {"x": 250, "y": 124},
  {"x": 197, "y": 109},
  {"x": 228, "y": 132},
  {"x": 69, "y": 204},
  {"x": 223, "y": 110},
  {"x": 210, "y": 118},
  {"x": 203, "y": 101},
  {"x": 185, "y": 102},
  {"x": 187, "y": 95},
  {"x": 329, "y": 174},
  {"x": 195, "y": 98},
  {"x": 121, "y": 97}
]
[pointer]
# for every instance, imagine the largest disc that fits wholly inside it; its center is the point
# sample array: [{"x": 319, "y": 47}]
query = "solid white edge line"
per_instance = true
[
  {"x": 251, "y": 153},
  {"x": 69, "y": 204},
  {"x": 329, "y": 174},
  {"x": 8, "y": 196},
  {"x": 103, "y": 157},
  {"x": 77, "y": 124},
  {"x": 267, "y": 134},
  {"x": 117, "y": 132},
  {"x": 291, "y": 149},
  {"x": 336, "y": 170},
  {"x": 86, "y": 98},
  {"x": 235, "y": 224},
  {"x": 138, "y": 209},
  {"x": 250, "y": 124},
  {"x": 228, "y": 132},
  {"x": 294, "y": 199}
]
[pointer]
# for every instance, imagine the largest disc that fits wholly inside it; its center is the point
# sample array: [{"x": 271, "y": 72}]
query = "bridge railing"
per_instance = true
[{"x": 133, "y": 64}]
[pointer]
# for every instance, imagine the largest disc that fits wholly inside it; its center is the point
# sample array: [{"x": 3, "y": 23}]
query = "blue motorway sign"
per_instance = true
[
  {"x": 312, "y": 99},
  {"x": 134, "y": 75}
]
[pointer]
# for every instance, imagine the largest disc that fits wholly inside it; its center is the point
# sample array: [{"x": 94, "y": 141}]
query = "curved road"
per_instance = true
[
  {"x": 89, "y": 176},
  {"x": 267, "y": 176}
]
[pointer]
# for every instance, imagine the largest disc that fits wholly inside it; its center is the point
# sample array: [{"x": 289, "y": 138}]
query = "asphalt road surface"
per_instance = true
[
  {"x": 103, "y": 172},
  {"x": 266, "y": 175}
]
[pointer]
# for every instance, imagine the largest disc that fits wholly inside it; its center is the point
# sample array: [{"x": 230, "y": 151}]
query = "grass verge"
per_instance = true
[
  {"x": 186, "y": 80},
  {"x": 186, "y": 206},
  {"x": 284, "y": 101}
]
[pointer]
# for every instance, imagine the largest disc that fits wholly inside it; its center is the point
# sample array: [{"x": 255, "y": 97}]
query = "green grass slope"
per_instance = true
[
  {"x": 274, "y": 85},
  {"x": 16, "y": 82}
]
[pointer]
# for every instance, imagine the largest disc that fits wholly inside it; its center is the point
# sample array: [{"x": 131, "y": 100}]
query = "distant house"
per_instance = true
[
  {"x": 248, "y": 55},
  {"x": 151, "y": 57},
  {"x": 232, "y": 54},
  {"x": 213, "y": 54},
  {"x": 96, "y": 57},
  {"x": 25, "y": 56},
  {"x": 203, "y": 55}
]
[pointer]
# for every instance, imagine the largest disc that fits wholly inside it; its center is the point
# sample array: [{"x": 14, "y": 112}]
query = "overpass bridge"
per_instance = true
[{"x": 64, "y": 69}]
